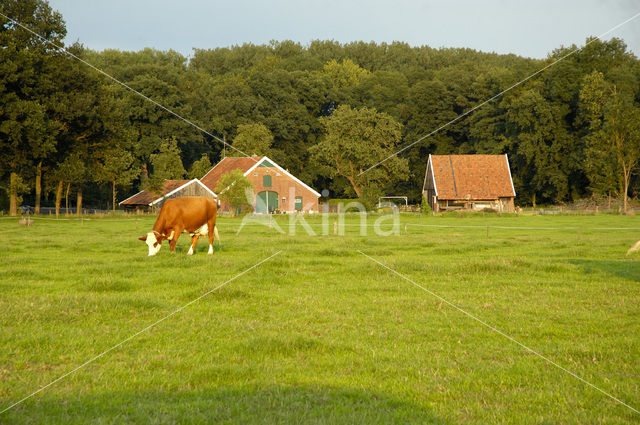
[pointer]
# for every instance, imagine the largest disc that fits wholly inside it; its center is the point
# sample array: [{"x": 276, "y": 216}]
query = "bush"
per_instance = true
[
  {"x": 425, "y": 208},
  {"x": 337, "y": 201},
  {"x": 369, "y": 196}
]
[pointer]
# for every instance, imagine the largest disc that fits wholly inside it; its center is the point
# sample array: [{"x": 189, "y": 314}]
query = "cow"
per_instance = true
[
  {"x": 634, "y": 248},
  {"x": 194, "y": 215}
]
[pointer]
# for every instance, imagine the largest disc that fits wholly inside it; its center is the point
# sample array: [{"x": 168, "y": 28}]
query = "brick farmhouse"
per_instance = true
[{"x": 275, "y": 189}]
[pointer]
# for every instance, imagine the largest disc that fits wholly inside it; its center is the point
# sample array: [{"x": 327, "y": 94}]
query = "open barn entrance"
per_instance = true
[{"x": 266, "y": 201}]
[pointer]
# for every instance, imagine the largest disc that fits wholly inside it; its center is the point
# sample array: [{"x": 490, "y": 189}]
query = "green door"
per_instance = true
[{"x": 266, "y": 201}]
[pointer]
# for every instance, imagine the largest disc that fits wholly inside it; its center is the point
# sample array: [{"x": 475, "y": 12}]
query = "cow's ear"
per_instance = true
[{"x": 143, "y": 238}]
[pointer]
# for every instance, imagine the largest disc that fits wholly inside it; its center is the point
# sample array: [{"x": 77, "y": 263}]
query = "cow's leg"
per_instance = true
[
  {"x": 194, "y": 241},
  {"x": 177, "y": 231},
  {"x": 212, "y": 232}
]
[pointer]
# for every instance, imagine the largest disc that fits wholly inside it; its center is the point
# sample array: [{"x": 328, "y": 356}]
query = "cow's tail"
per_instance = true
[
  {"x": 634, "y": 248},
  {"x": 216, "y": 235}
]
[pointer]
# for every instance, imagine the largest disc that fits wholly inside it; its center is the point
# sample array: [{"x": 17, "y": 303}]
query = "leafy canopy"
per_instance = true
[
  {"x": 356, "y": 139},
  {"x": 200, "y": 167},
  {"x": 253, "y": 139}
]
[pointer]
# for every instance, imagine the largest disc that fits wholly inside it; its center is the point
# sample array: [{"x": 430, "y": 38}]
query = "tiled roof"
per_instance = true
[
  {"x": 472, "y": 176},
  {"x": 145, "y": 197},
  {"x": 228, "y": 164}
]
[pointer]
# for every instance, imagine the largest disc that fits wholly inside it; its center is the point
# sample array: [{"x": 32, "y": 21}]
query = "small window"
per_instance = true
[
  {"x": 266, "y": 181},
  {"x": 298, "y": 203}
]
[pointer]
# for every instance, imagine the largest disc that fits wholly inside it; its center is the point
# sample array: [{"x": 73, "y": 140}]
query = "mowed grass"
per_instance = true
[{"x": 320, "y": 333}]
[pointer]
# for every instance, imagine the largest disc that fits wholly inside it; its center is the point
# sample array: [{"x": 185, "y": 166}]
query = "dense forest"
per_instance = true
[{"x": 326, "y": 111}]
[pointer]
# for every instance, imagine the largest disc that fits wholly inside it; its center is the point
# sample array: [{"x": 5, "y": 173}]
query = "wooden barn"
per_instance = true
[
  {"x": 145, "y": 200},
  {"x": 470, "y": 182},
  {"x": 275, "y": 189}
]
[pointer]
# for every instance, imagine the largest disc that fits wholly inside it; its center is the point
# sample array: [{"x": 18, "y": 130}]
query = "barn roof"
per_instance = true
[
  {"x": 471, "y": 176},
  {"x": 246, "y": 165},
  {"x": 228, "y": 164},
  {"x": 169, "y": 187}
]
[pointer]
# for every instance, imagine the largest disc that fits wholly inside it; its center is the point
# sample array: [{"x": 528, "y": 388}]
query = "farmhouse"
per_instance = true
[
  {"x": 275, "y": 189},
  {"x": 471, "y": 182},
  {"x": 145, "y": 200}
]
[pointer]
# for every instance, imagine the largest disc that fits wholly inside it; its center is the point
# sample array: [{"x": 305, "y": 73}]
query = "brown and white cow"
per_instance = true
[{"x": 194, "y": 215}]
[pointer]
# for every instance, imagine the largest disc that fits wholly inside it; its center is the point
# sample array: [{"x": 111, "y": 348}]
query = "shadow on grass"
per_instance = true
[
  {"x": 627, "y": 269},
  {"x": 251, "y": 405}
]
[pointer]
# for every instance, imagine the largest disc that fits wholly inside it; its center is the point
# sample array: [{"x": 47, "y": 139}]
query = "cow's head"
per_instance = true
[{"x": 154, "y": 242}]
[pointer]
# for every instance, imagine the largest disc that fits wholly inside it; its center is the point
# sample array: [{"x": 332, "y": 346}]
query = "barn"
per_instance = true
[
  {"x": 145, "y": 200},
  {"x": 275, "y": 189},
  {"x": 470, "y": 182}
]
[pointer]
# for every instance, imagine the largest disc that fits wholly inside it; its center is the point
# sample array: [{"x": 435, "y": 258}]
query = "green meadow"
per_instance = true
[{"x": 320, "y": 333}]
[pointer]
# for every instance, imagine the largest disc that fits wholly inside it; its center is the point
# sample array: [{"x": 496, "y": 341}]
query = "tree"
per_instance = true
[
  {"x": 15, "y": 187},
  {"x": 278, "y": 106},
  {"x": 344, "y": 74},
  {"x": 384, "y": 90},
  {"x": 253, "y": 139},
  {"x": 543, "y": 152},
  {"x": 356, "y": 139},
  {"x": 162, "y": 77},
  {"x": 236, "y": 190},
  {"x": 72, "y": 171},
  {"x": 200, "y": 167},
  {"x": 27, "y": 79},
  {"x": 115, "y": 166},
  {"x": 166, "y": 165},
  {"x": 90, "y": 117},
  {"x": 613, "y": 145}
]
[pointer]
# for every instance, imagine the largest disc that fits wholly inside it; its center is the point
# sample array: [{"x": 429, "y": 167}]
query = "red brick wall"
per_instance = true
[{"x": 283, "y": 185}]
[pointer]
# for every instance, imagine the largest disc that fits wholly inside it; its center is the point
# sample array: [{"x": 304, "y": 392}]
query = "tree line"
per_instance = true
[{"x": 326, "y": 111}]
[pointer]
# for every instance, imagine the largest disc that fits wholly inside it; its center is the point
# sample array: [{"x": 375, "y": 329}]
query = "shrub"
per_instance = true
[{"x": 425, "y": 208}]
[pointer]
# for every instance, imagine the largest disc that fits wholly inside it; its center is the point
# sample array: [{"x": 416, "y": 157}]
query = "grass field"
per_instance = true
[{"x": 320, "y": 333}]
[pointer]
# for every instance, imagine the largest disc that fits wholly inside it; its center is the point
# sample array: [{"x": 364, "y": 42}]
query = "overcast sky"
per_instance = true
[{"x": 530, "y": 28}]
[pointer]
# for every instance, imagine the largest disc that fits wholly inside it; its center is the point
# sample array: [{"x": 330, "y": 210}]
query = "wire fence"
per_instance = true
[{"x": 262, "y": 221}]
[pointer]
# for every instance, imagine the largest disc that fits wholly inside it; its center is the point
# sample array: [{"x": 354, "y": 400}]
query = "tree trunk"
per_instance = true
[
  {"x": 79, "y": 201},
  {"x": 58, "y": 198},
  {"x": 533, "y": 199},
  {"x": 66, "y": 202},
  {"x": 355, "y": 187},
  {"x": 144, "y": 177},
  {"x": 13, "y": 195},
  {"x": 38, "y": 187},
  {"x": 624, "y": 195},
  {"x": 626, "y": 174},
  {"x": 113, "y": 200}
]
